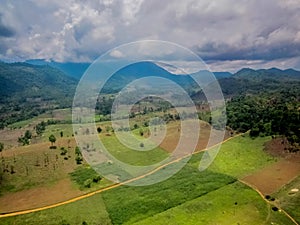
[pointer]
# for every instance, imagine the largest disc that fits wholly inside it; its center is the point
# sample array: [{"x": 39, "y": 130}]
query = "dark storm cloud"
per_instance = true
[{"x": 5, "y": 31}]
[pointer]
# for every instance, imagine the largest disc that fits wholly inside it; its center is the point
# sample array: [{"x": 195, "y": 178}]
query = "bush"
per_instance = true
[
  {"x": 87, "y": 183},
  {"x": 63, "y": 151},
  {"x": 82, "y": 174},
  {"x": 97, "y": 178},
  {"x": 78, "y": 159}
]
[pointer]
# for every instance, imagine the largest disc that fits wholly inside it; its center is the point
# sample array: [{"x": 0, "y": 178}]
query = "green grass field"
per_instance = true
[
  {"x": 289, "y": 200},
  {"x": 232, "y": 204},
  {"x": 242, "y": 156},
  {"x": 137, "y": 158}
]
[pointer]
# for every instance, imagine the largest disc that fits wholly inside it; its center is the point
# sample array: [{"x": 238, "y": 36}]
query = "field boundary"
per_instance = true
[{"x": 268, "y": 202}]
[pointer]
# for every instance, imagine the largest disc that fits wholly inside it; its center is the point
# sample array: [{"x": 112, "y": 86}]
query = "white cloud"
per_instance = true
[
  {"x": 224, "y": 32},
  {"x": 116, "y": 54}
]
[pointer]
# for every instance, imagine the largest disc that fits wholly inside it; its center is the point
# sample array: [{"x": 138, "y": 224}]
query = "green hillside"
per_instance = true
[{"x": 28, "y": 90}]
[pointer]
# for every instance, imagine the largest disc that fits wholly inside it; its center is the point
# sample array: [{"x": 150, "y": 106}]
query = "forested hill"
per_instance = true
[
  {"x": 27, "y": 90},
  {"x": 248, "y": 81},
  {"x": 266, "y": 102}
]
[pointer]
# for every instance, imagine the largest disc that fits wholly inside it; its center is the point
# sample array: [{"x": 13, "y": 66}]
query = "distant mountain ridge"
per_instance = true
[
  {"x": 272, "y": 73},
  {"x": 75, "y": 70},
  {"x": 27, "y": 89}
]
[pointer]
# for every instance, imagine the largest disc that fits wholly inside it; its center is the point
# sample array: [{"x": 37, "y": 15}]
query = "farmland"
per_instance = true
[{"x": 189, "y": 197}]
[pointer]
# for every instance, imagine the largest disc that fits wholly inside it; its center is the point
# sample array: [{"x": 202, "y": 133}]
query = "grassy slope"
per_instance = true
[
  {"x": 242, "y": 156},
  {"x": 138, "y": 158},
  {"x": 150, "y": 200},
  {"x": 231, "y": 204},
  {"x": 288, "y": 200}
]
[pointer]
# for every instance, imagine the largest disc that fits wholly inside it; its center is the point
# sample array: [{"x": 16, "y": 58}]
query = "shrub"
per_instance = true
[
  {"x": 97, "y": 178},
  {"x": 87, "y": 183}
]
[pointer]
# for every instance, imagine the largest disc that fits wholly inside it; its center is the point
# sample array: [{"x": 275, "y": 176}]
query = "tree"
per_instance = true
[
  {"x": 52, "y": 139},
  {"x": 63, "y": 151},
  {"x": 77, "y": 150},
  {"x": 1, "y": 146},
  {"x": 141, "y": 132},
  {"x": 28, "y": 134},
  {"x": 99, "y": 130}
]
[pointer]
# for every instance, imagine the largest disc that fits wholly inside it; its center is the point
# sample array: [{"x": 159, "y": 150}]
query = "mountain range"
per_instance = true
[{"x": 30, "y": 88}]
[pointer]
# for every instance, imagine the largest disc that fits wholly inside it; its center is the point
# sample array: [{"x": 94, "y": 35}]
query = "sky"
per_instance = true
[{"x": 227, "y": 34}]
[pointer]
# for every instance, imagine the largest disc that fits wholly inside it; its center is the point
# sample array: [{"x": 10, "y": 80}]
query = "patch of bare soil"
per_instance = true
[
  {"x": 279, "y": 147},
  {"x": 273, "y": 177},
  {"x": 38, "y": 197},
  {"x": 174, "y": 133}
]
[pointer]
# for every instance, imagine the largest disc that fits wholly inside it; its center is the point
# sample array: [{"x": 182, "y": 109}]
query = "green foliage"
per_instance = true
[
  {"x": 99, "y": 130},
  {"x": 63, "y": 151},
  {"x": 78, "y": 154},
  {"x": 77, "y": 150},
  {"x": 28, "y": 134},
  {"x": 40, "y": 128},
  {"x": 25, "y": 140},
  {"x": 267, "y": 114},
  {"x": 87, "y": 183},
  {"x": 97, "y": 178},
  {"x": 254, "y": 132},
  {"x": 84, "y": 174},
  {"x": 52, "y": 139}
]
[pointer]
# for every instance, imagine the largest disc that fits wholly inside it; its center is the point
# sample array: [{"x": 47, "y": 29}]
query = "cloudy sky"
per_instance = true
[{"x": 226, "y": 34}]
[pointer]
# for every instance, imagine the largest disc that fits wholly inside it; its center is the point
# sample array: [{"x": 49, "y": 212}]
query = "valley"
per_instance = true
[{"x": 249, "y": 181}]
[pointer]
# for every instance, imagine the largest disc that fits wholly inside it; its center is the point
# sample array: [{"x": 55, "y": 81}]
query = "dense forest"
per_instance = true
[{"x": 268, "y": 104}]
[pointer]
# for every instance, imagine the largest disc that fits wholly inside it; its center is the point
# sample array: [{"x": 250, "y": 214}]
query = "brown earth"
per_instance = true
[
  {"x": 273, "y": 177},
  {"x": 39, "y": 197},
  {"x": 173, "y": 135}
]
